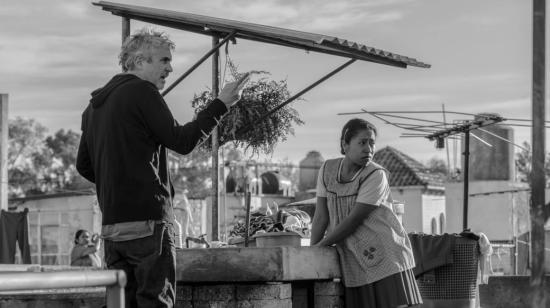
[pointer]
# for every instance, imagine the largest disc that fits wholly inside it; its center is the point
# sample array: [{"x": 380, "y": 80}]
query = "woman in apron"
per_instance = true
[{"x": 354, "y": 212}]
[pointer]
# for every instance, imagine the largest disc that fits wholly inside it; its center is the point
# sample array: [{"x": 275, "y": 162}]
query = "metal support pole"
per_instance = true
[
  {"x": 201, "y": 60},
  {"x": 115, "y": 292},
  {"x": 291, "y": 99},
  {"x": 125, "y": 28},
  {"x": 4, "y": 152},
  {"x": 215, "y": 143},
  {"x": 538, "y": 181},
  {"x": 466, "y": 178},
  {"x": 247, "y": 200}
]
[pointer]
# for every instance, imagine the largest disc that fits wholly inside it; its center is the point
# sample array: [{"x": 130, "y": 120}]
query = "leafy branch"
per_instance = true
[{"x": 258, "y": 98}]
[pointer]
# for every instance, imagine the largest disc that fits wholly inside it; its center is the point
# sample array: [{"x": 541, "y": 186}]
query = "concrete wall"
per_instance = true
[
  {"x": 509, "y": 292},
  {"x": 275, "y": 295},
  {"x": 499, "y": 216},
  {"x": 53, "y": 221},
  {"x": 80, "y": 209},
  {"x": 322, "y": 294},
  {"x": 420, "y": 207},
  {"x": 411, "y": 196},
  {"x": 495, "y": 163},
  {"x": 433, "y": 206}
]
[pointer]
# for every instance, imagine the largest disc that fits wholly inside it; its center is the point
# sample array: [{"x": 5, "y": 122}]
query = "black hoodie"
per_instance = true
[{"x": 126, "y": 129}]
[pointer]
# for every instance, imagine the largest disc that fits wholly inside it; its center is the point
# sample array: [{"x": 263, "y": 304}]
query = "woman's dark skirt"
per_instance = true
[{"x": 397, "y": 290}]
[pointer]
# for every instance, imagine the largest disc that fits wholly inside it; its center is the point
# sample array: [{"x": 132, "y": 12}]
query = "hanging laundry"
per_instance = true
[{"x": 14, "y": 228}]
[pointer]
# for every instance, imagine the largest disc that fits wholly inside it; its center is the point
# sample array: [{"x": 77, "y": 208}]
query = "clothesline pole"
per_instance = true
[
  {"x": 538, "y": 180},
  {"x": 4, "y": 152},
  {"x": 466, "y": 179}
]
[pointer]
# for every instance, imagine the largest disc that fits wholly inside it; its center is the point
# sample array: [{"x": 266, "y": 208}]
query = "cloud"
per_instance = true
[
  {"x": 57, "y": 51},
  {"x": 267, "y": 12},
  {"x": 75, "y": 9},
  {"x": 509, "y": 108},
  {"x": 313, "y": 16},
  {"x": 481, "y": 20},
  {"x": 434, "y": 82}
]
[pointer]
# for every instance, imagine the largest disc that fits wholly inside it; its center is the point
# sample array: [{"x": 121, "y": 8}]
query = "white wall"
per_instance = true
[
  {"x": 496, "y": 215},
  {"x": 412, "y": 198},
  {"x": 53, "y": 223},
  {"x": 433, "y": 207}
]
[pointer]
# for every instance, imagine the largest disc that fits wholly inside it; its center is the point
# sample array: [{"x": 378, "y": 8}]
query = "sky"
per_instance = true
[{"x": 54, "y": 53}]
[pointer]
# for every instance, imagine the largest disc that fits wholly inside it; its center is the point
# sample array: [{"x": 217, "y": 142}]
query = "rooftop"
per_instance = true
[{"x": 405, "y": 170}]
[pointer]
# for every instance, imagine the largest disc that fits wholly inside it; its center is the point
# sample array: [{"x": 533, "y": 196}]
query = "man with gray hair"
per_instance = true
[{"x": 126, "y": 130}]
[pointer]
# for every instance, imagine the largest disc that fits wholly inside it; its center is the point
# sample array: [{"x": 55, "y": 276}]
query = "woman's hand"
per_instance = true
[
  {"x": 95, "y": 241},
  {"x": 95, "y": 238}
]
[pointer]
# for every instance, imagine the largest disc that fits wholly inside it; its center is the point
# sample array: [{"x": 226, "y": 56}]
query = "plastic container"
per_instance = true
[{"x": 276, "y": 239}]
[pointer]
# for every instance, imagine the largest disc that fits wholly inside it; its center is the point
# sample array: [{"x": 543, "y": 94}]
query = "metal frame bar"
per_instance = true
[
  {"x": 215, "y": 172},
  {"x": 215, "y": 48},
  {"x": 244, "y": 129},
  {"x": 320, "y": 43},
  {"x": 114, "y": 280},
  {"x": 469, "y": 125}
]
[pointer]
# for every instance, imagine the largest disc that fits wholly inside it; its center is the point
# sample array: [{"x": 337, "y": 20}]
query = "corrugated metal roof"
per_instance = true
[
  {"x": 405, "y": 170},
  {"x": 256, "y": 32}
]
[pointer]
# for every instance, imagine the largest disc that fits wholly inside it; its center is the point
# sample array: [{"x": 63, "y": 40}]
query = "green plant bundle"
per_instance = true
[{"x": 258, "y": 98}]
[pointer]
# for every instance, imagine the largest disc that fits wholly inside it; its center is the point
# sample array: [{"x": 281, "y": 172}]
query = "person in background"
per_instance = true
[
  {"x": 85, "y": 249},
  {"x": 354, "y": 209},
  {"x": 126, "y": 131}
]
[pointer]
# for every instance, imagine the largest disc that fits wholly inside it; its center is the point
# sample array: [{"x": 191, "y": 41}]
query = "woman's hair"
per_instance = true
[
  {"x": 352, "y": 128},
  {"x": 140, "y": 46},
  {"x": 78, "y": 234}
]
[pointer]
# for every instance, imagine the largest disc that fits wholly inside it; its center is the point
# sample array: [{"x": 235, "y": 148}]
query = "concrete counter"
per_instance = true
[
  {"x": 254, "y": 264},
  {"x": 281, "y": 277}
]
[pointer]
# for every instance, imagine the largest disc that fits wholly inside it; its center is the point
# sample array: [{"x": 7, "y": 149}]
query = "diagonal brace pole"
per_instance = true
[
  {"x": 244, "y": 129},
  {"x": 201, "y": 60}
]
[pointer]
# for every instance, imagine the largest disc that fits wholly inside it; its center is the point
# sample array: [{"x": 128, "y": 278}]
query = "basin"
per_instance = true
[{"x": 255, "y": 264}]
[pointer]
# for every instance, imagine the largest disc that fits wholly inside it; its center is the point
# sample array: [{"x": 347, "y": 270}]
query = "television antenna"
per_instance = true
[{"x": 441, "y": 131}]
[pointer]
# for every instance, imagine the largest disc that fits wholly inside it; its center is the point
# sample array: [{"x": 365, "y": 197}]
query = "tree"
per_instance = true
[
  {"x": 27, "y": 157},
  {"x": 39, "y": 164},
  {"x": 523, "y": 164},
  {"x": 63, "y": 146},
  {"x": 437, "y": 165}
]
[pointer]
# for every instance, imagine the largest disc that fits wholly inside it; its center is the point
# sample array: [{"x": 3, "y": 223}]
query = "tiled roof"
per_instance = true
[{"x": 405, "y": 170}]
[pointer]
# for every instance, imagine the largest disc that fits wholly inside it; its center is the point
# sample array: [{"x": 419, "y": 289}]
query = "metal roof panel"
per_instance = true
[{"x": 256, "y": 32}]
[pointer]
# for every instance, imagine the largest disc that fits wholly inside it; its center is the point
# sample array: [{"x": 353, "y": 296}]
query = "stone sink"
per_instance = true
[{"x": 251, "y": 264}]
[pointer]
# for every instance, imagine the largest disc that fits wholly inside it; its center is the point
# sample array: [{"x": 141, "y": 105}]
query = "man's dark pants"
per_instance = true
[{"x": 150, "y": 267}]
